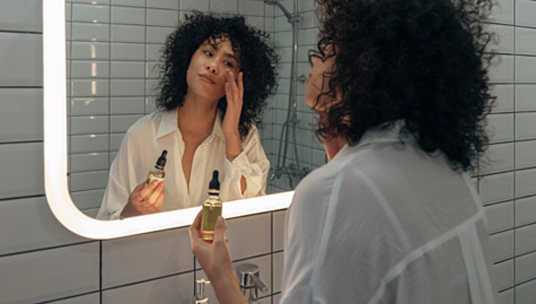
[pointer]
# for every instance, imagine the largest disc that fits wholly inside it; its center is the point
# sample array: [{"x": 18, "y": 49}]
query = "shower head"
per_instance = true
[{"x": 282, "y": 8}]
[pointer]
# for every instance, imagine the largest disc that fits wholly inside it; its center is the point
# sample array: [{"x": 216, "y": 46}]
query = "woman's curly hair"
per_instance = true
[
  {"x": 423, "y": 61},
  {"x": 257, "y": 61}
]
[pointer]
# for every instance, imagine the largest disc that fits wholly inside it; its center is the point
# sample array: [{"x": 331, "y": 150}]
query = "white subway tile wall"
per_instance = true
[
  {"x": 265, "y": 264},
  {"x": 22, "y": 117},
  {"x": 508, "y": 179},
  {"x": 503, "y": 274},
  {"x": 92, "y": 298},
  {"x": 158, "y": 254},
  {"x": 21, "y": 64},
  {"x": 105, "y": 40},
  {"x": 158, "y": 290},
  {"x": 76, "y": 272}
]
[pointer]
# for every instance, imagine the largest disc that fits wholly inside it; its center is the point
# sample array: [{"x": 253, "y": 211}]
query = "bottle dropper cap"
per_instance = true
[
  {"x": 214, "y": 183},
  {"x": 161, "y": 162}
]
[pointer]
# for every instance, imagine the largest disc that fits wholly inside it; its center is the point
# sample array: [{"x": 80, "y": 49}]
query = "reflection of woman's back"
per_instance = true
[{"x": 204, "y": 125}]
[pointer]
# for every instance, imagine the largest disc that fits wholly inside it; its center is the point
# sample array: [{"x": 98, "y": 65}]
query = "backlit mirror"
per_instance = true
[{"x": 111, "y": 69}]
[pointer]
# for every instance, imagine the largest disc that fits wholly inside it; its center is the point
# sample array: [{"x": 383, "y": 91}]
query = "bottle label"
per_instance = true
[{"x": 152, "y": 178}]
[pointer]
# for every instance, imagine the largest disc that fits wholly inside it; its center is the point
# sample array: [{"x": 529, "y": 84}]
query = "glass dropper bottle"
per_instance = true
[
  {"x": 158, "y": 172},
  {"x": 212, "y": 207}
]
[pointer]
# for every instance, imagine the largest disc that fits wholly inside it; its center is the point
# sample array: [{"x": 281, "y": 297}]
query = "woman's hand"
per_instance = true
[
  {"x": 234, "y": 91},
  {"x": 215, "y": 260},
  {"x": 145, "y": 199}
]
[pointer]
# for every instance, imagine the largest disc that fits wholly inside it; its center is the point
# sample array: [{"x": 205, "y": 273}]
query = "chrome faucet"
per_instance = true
[
  {"x": 250, "y": 283},
  {"x": 200, "y": 292}
]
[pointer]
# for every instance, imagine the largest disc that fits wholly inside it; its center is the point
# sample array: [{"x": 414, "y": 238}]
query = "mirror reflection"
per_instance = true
[
  {"x": 216, "y": 75},
  {"x": 200, "y": 91}
]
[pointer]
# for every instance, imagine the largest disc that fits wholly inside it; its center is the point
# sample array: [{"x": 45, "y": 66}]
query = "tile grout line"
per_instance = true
[
  {"x": 109, "y": 85},
  {"x": 514, "y": 144},
  {"x": 272, "y": 254},
  {"x": 145, "y": 62},
  {"x": 68, "y": 100},
  {"x": 100, "y": 270},
  {"x": 46, "y": 248}
]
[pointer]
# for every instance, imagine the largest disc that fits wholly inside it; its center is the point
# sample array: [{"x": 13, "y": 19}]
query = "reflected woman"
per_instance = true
[{"x": 217, "y": 74}]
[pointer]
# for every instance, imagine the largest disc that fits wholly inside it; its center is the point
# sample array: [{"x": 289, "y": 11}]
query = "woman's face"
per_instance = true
[
  {"x": 206, "y": 73},
  {"x": 318, "y": 81}
]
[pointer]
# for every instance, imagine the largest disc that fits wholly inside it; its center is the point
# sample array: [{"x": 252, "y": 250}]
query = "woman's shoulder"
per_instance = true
[
  {"x": 318, "y": 183},
  {"x": 145, "y": 127},
  {"x": 253, "y": 134}
]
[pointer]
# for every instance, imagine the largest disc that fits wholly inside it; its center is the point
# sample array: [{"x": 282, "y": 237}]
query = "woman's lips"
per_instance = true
[{"x": 207, "y": 79}]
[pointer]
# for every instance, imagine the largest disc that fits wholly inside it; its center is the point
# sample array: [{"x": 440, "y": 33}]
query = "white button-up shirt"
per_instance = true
[
  {"x": 384, "y": 222},
  {"x": 158, "y": 131}
]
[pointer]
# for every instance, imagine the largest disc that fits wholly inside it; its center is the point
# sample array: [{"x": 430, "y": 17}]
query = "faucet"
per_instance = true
[
  {"x": 250, "y": 283},
  {"x": 200, "y": 292}
]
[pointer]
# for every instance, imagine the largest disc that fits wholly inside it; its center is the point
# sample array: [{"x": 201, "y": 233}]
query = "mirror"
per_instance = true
[{"x": 110, "y": 75}]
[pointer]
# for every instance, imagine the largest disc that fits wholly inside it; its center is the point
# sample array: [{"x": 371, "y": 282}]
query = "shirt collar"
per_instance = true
[
  {"x": 169, "y": 123},
  {"x": 379, "y": 135},
  {"x": 394, "y": 133}
]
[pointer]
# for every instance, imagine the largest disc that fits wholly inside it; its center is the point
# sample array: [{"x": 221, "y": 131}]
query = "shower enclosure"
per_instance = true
[{"x": 294, "y": 171}]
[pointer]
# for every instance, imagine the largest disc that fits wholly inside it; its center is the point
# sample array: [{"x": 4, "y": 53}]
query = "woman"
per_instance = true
[
  {"x": 217, "y": 75},
  {"x": 402, "y": 91}
]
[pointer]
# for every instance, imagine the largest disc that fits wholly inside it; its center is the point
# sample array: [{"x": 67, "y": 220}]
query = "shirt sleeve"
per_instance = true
[
  {"x": 304, "y": 226},
  {"x": 251, "y": 163},
  {"x": 124, "y": 175},
  {"x": 116, "y": 195},
  {"x": 110, "y": 207}
]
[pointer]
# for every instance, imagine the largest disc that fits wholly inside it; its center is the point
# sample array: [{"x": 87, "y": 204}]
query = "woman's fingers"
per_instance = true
[
  {"x": 156, "y": 192},
  {"x": 139, "y": 187},
  {"x": 196, "y": 241},
  {"x": 240, "y": 81},
  {"x": 196, "y": 225},
  {"x": 235, "y": 85},
  {"x": 147, "y": 190},
  {"x": 219, "y": 230},
  {"x": 229, "y": 83},
  {"x": 228, "y": 92},
  {"x": 160, "y": 198}
]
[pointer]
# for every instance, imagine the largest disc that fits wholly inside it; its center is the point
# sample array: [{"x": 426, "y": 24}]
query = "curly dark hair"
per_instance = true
[
  {"x": 423, "y": 61},
  {"x": 258, "y": 62}
]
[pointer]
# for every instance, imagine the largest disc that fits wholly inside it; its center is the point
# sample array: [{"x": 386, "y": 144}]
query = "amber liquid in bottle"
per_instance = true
[
  {"x": 158, "y": 172},
  {"x": 155, "y": 174},
  {"x": 211, "y": 210}
]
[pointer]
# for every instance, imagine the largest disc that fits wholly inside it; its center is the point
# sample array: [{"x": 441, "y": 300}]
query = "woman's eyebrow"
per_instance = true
[
  {"x": 215, "y": 47},
  {"x": 232, "y": 56}
]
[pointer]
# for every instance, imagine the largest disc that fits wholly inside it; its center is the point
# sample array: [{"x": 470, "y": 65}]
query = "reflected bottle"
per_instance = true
[
  {"x": 158, "y": 172},
  {"x": 211, "y": 208}
]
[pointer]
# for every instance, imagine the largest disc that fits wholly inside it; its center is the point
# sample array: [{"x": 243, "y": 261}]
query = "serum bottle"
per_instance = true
[
  {"x": 211, "y": 208},
  {"x": 158, "y": 172}
]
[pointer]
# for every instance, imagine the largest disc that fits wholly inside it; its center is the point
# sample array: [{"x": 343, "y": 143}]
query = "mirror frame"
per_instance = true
[{"x": 55, "y": 154}]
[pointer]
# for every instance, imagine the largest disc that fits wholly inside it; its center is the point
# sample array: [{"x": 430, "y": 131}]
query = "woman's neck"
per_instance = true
[{"x": 196, "y": 116}]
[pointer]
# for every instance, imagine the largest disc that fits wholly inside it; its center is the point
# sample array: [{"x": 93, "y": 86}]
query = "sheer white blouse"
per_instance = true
[
  {"x": 384, "y": 222},
  {"x": 143, "y": 144}
]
